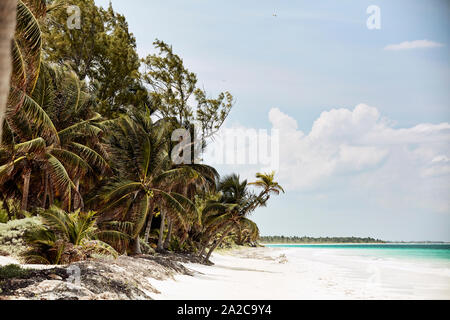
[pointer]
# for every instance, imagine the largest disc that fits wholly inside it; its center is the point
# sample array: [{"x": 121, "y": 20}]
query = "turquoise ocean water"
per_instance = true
[{"x": 408, "y": 251}]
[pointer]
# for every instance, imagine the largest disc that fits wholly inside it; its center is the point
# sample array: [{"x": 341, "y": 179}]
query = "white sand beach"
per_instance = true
[{"x": 306, "y": 273}]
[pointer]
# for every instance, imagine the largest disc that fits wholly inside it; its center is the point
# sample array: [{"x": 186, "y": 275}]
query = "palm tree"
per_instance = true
[
  {"x": 50, "y": 141},
  {"x": 143, "y": 177},
  {"x": 235, "y": 204},
  {"x": 8, "y": 23},
  {"x": 26, "y": 50},
  {"x": 247, "y": 232},
  {"x": 216, "y": 218},
  {"x": 68, "y": 237},
  {"x": 203, "y": 182},
  {"x": 269, "y": 186}
]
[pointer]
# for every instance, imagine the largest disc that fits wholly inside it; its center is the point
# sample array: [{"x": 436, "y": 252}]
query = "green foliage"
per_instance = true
[
  {"x": 144, "y": 174},
  {"x": 66, "y": 237},
  {"x": 174, "y": 85},
  {"x": 52, "y": 142},
  {"x": 79, "y": 135},
  {"x": 12, "y": 235},
  {"x": 12, "y": 271},
  {"x": 103, "y": 50},
  {"x": 4, "y": 218}
]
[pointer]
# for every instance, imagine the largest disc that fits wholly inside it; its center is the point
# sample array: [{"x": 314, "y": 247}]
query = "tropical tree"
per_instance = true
[
  {"x": 8, "y": 23},
  {"x": 25, "y": 51},
  {"x": 143, "y": 174},
  {"x": 102, "y": 50},
  {"x": 247, "y": 231},
  {"x": 266, "y": 181},
  {"x": 174, "y": 86},
  {"x": 68, "y": 237},
  {"x": 80, "y": 125},
  {"x": 50, "y": 140},
  {"x": 233, "y": 205},
  {"x": 203, "y": 182},
  {"x": 231, "y": 210}
]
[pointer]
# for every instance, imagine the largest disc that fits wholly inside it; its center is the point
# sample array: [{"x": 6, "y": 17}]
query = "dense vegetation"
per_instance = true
[
  {"x": 306, "y": 240},
  {"x": 87, "y": 147}
]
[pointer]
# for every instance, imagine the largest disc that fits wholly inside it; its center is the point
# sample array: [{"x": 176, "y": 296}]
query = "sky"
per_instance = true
[{"x": 363, "y": 115}]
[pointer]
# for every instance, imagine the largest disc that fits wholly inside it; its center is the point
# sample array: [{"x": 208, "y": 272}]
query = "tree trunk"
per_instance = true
[
  {"x": 239, "y": 237},
  {"x": 77, "y": 200},
  {"x": 161, "y": 231},
  {"x": 44, "y": 202},
  {"x": 26, "y": 188},
  {"x": 225, "y": 233},
  {"x": 202, "y": 251},
  {"x": 169, "y": 234},
  {"x": 6, "y": 207},
  {"x": 7, "y": 27},
  {"x": 136, "y": 242},
  {"x": 183, "y": 239},
  {"x": 51, "y": 196},
  {"x": 205, "y": 245},
  {"x": 136, "y": 250},
  {"x": 148, "y": 228}
]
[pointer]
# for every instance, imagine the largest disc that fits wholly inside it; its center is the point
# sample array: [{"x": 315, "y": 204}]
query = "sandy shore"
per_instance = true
[
  {"x": 285, "y": 274},
  {"x": 239, "y": 274}
]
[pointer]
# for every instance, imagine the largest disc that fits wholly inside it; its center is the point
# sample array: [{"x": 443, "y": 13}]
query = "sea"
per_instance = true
[
  {"x": 387, "y": 271},
  {"x": 426, "y": 252}
]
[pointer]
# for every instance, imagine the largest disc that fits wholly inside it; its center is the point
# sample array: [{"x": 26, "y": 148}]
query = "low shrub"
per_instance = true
[
  {"x": 12, "y": 271},
  {"x": 12, "y": 235},
  {"x": 65, "y": 238}
]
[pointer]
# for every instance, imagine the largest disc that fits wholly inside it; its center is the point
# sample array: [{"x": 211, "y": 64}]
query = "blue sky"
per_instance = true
[{"x": 390, "y": 169}]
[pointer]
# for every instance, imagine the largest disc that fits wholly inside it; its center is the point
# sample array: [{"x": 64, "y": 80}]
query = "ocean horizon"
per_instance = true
[{"x": 416, "y": 251}]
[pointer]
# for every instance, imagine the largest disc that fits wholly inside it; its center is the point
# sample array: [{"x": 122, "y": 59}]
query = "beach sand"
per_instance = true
[{"x": 307, "y": 273}]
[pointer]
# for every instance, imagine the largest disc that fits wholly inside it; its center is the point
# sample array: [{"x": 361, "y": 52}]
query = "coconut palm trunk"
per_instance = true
[
  {"x": 169, "y": 234},
  {"x": 26, "y": 188},
  {"x": 205, "y": 245},
  {"x": 44, "y": 201},
  {"x": 76, "y": 197},
  {"x": 215, "y": 245},
  {"x": 7, "y": 27},
  {"x": 6, "y": 207},
  {"x": 148, "y": 228},
  {"x": 51, "y": 196},
  {"x": 160, "y": 246},
  {"x": 136, "y": 249}
]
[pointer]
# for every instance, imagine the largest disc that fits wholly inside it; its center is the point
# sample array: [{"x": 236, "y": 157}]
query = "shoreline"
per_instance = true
[
  {"x": 243, "y": 273},
  {"x": 270, "y": 273},
  {"x": 355, "y": 243}
]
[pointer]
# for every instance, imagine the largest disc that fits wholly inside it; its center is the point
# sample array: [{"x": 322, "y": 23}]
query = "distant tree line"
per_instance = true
[{"x": 283, "y": 239}]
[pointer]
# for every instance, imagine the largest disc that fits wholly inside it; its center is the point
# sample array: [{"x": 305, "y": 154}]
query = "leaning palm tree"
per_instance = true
[
  {"x": 203, "y": 182},
  {"x": 26, "y": 50},
  {"x": 8, "y": 23},
  {"x": 51, "y": 140},
  {"x": 233, "y": 207},
  {"x": 217, "y": 219},
  {"x": 68, "y": 237},
  {"x": 247, "y": 231},
  {"x": 34, "y": 144},
  {"x": 235, "y": 202},
  {"x": 269, "y": 186},
  {"x": 143, "y": 176}
]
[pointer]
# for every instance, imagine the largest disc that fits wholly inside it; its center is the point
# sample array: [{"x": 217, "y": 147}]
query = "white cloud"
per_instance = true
[
  {"x": 360, "y": 152},
  {"x": 413, "y": 45}
]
